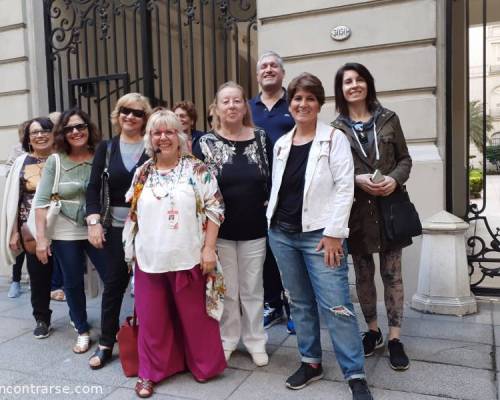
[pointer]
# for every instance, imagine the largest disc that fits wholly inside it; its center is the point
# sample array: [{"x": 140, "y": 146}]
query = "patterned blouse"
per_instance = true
[{"x": 242, "y": 169}]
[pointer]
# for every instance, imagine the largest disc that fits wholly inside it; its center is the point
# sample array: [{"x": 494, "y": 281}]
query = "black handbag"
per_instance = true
[
  {"x": 401, "y": 220},
  {"x": 105, "y": 200}
]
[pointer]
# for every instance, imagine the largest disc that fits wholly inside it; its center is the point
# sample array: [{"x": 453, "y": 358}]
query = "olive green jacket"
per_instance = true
[{"x": 366, "y": 225}]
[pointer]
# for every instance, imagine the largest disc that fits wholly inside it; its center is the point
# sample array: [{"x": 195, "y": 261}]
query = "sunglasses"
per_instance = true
[
  {"x": 42, "y": 132},
  {"x": 135, "y": 113},
  {"x": 70, "y": 128}
]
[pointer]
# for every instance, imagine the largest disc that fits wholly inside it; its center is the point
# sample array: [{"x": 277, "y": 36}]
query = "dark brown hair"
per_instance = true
[
  {"x": 190, "y": 109},
  {"x": 371, "y": 96},
  {"x": 309, "y": 83},
  {"x": 45, "y": 123},
  {"x": 61, "y": 143}
]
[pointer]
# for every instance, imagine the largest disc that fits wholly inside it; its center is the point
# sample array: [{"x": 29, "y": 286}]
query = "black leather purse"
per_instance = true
[{"x": 401, "y": 220}]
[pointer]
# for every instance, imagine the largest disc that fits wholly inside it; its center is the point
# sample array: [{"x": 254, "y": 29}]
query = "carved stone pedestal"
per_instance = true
[{"x": 443, "y": 279}]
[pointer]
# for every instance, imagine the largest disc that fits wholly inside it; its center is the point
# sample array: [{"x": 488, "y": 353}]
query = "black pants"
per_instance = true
[
  {"x": 115, "y": 284},
  {"x": 17, "y": 268},
  {"x": 273, "y": 289},
  {"x": 40, "y": 278}
]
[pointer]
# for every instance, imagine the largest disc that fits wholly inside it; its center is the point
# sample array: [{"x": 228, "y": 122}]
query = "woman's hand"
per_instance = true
[
  {"x": 43, "y": 250},
  {"x": 14, "y": 242},
  {"x": 208, "y": 259},
  {"x": 96, "y": 236},
  {"x": 333, "y": 250},
  {"x": 364, "y": 181},
  {"x": 389, "y": 184}
]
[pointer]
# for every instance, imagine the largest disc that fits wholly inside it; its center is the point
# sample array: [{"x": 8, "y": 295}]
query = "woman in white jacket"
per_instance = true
[
  {"x": 20, "y": 187},
  {"x": 308, "y": 212}
]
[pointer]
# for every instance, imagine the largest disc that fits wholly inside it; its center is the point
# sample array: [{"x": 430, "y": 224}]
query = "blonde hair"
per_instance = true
[
  {"x": 247, "y": 118},
  {"x": 168, "y": 119},
  {"x": 127, "y": 99}
]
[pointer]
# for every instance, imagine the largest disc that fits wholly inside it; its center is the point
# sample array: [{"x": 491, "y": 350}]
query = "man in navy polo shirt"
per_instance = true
[{"x": 270, "y": 112}]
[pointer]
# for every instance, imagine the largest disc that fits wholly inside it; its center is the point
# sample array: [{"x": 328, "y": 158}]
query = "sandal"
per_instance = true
[
  {"x": 82, "y": 344},
  {"x": 103, "y": 354},
  {"x": 144, "y": 388},
  {"x": 57, "y": 295}
]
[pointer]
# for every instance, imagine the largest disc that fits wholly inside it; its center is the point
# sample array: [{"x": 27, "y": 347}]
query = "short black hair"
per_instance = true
[
  {"x": 371, "y": 97},
  {"x": 60, "y": 141},
  {"x": 44, "y": 122}
]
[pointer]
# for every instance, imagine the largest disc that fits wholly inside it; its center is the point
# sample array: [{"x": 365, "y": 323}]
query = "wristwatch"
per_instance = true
[{"x": 93, "y": 221}]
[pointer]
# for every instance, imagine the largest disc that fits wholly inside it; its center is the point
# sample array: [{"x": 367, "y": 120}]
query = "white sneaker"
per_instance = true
[
  {"x": 227, "y": 354},
  {"x": 260, "y": 359}
]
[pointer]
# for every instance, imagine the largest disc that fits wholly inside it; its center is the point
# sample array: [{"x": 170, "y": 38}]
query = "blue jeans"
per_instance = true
[
  {"x": 308, "y": 282},
  {"x": 70, "y": 255}
]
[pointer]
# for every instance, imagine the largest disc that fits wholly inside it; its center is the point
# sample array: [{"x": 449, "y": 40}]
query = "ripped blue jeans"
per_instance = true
[{"x": 308, "y": 282}]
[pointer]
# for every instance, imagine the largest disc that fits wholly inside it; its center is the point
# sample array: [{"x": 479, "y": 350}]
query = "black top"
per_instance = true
[
  {"x": 291, "y": 194},
  {"x": 120, "y": 178},
  {"x": 243, "y": 175}
]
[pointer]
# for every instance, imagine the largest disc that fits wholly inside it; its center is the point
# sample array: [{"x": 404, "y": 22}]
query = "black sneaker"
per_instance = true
[
  {"x": 272, "y": 316},
  {"x": 372, "y": 340},
  {"x": 303, "y": 376},
  {"x": 397, "y": 357},
  {"x": 42, "y": 330},
  {"x": 359, "y": 389}
]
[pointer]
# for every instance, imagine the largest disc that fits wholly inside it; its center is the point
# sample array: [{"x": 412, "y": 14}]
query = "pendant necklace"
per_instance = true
[{"x": 163, "y": 185}]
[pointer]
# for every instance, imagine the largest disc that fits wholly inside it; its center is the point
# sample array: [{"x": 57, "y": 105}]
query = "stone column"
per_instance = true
[{"x": 443, "y": 281}]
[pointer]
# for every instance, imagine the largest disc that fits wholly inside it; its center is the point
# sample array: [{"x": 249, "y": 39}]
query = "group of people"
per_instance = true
[{"x": 225, "y": 231}]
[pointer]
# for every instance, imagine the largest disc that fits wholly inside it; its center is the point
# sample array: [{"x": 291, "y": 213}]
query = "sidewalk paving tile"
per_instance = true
[
  {"x": 129, "y": 394},
  {"x": 270, "y": 386},
  {"x": 13, "y": 327},
  {"x": 466, "y": 354},
  {"x": 9, "y": 377},
  {"x": 72, "y": 365},
  {"x": 286, "y": 360},
  {"x": 477, "y": 333},
  {"x": 437, "y": 380},
  {"x": 184, "y": 385}
]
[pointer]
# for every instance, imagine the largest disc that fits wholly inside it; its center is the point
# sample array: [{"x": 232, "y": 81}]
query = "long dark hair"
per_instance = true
[
  {"x": 371, "y": 97},
  {"x": 45, "y": 123},
  {"x": 60, "y": 141}
]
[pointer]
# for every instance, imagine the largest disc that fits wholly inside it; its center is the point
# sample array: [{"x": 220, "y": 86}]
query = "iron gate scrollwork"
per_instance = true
[
  {"x": 170, "y": 50},
  {"x": 483, "y": 242}
]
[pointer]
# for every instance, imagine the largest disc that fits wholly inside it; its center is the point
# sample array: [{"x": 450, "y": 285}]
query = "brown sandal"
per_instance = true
[{"x": 144, "y": 388}]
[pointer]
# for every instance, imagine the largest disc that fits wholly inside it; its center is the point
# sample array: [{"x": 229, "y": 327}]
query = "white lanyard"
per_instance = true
[{"x": 377, "y": 155}]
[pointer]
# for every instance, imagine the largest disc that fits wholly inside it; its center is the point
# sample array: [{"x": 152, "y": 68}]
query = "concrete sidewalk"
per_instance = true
[{"x": 451, "y": 357}]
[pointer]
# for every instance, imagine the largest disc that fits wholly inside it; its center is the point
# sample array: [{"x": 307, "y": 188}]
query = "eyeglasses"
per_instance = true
[
  {"x": 159, "y": 134},
  {"x": 135, "y": 113},
  {"x": 41, "y": 132},
  {"x": 70, "y": 128}
]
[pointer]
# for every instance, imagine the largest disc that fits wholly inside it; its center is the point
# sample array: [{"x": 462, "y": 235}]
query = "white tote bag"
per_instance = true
[{"x": 54, "y": 206}]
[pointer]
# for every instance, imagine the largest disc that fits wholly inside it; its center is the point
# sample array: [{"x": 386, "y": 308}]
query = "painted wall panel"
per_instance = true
[
  {"x": 370, "y": 26},
  {"x": 14, "y": 76}
]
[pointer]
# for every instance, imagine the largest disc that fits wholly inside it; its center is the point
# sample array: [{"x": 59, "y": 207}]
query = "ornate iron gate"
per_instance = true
[
  {"x": 484, "y": 241},
  {"x": 169, "y": 50}
]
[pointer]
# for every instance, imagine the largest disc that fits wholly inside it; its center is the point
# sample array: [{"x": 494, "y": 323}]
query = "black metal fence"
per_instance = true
[
  {"x": 483, "y": 242},
  {"x": 169, "y": 50}
]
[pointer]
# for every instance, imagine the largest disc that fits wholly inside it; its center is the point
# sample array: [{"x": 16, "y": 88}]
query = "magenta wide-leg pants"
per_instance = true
[{"x": 175, "y": 331}]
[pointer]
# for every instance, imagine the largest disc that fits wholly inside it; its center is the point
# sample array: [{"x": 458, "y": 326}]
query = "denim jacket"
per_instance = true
[{"x": 329, "y": 181}]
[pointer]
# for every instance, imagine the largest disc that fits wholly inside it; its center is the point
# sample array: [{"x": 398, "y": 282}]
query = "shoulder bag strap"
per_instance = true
[{"x": 55, "y": 186}]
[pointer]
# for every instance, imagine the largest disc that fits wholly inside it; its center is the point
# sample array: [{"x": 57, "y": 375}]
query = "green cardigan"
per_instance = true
[{"x": 74, "y": 178}]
